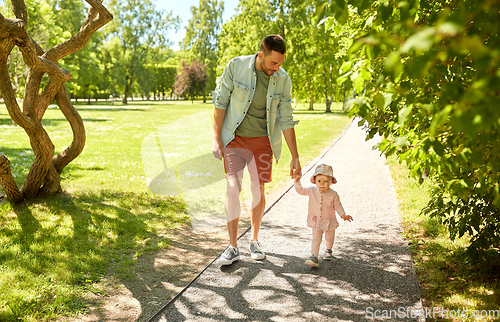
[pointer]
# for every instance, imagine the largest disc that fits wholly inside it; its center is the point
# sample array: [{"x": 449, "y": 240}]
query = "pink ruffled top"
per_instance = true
[{"x": 322, "y": 207}]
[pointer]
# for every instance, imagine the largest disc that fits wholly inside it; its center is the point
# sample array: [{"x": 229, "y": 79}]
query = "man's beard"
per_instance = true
[{"x": 265, "y": 70}]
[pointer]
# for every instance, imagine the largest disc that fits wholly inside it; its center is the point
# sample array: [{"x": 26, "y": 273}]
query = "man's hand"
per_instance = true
[
  {"x": 217, "y": 145},
  {"x": 217, "y": 149},
  {"x": 295, "y": 169}
]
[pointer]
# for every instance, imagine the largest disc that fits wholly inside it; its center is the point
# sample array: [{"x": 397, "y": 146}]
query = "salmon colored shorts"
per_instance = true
[{"x": 254, "y": 152}]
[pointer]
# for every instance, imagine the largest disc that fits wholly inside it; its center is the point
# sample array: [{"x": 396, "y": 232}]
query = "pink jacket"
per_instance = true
[{"x": 322, "y": 207}]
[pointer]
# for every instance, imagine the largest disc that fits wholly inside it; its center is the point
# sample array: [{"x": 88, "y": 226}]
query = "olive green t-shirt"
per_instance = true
[{"x": 255, "y": 123}]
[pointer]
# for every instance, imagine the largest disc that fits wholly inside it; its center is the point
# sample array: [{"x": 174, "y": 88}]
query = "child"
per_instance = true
[{"x": 323, "y": 202}]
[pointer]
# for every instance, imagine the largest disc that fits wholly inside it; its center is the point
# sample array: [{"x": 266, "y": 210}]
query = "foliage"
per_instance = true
[
  {"x": 139, "y": 27},
  {"x": 446, "y": 278},
  {"x": 243, "y": 34},
  {"x": 202, "y": 37},
  {"x": 164, "y": 80},
  {"x": 310, "y": 59},
  {"x": 427, "y": 75},
  {"x": 191, "y": 81},
  {"x": 44, "y": 29},
  {"x": 313, "y": 67}
]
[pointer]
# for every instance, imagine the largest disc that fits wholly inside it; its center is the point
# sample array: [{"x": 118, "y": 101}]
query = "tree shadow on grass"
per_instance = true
[
  {"x": 317, "y": 112},
  {"x": 363, "y": 275},
  {"x": 80, "y": 239},
  {"x": 7, "y": 121},
  {"x": 110, "y": 109}
]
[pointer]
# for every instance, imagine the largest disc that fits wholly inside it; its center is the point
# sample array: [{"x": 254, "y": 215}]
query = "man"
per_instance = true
[{"x": 252, "y": 110}]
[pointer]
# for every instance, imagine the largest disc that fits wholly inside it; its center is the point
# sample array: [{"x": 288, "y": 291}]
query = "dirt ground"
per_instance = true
[{"x": 158, "y": 277}]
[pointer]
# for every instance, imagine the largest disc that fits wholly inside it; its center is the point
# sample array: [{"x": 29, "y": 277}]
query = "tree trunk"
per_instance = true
[
  {"x": 311, "y": 102},
  {"x": 44, "y": 175},
  {"x": 128, "y": 85},
  {"x": 7, "y": 180},
  {"x": 282, "y": 18},
  {"x": 343, "y": 93},
  {"x": 329, "y": 81}
]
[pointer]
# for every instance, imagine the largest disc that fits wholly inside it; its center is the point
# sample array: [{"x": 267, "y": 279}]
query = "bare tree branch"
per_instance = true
[
  {"x": 76, "y": 147},
  {"x": 9, "y": 97},
  {"x": 80, "y": 39},
  {"x": 19, "y": 9}
]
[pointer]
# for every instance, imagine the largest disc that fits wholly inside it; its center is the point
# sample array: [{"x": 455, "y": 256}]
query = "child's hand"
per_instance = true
[
  {"x": 346, "y": 217},
  {"x": 297, "y": 178}
]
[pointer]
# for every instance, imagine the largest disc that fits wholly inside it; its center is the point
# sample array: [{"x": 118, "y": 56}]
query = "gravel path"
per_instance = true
[{"x": 371, "y": 277}]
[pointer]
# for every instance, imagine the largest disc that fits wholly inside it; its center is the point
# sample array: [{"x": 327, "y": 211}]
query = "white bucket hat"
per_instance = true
[{"x": 325, "y": 170}]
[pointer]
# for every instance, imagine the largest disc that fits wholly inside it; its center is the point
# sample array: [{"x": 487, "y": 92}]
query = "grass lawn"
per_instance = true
[
  {"x": 446, "y": 280},
  {"x": 55, "y": 251}
]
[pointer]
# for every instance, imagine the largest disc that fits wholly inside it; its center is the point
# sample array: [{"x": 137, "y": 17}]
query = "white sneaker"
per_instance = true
[
  {"x": 257, "y": 253},
  {"x": 230, "y": 255}
]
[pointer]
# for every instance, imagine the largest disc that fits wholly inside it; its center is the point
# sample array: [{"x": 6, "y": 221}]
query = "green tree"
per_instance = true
[
  {"x": 85, "y": 63},
  {"x": 43, "y": 28},
  {"x": 165, "y": 79},
  {"x": 202, "y": 37},
  {"x": 243, "y": 34},
  {"x": 431, "y": 80},
  {"x": 139, "y": 27},
  {"x": 312, "y": 61}
]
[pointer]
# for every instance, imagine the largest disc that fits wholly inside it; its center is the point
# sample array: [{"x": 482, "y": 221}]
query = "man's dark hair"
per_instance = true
[{"x": 273, "y": 42}]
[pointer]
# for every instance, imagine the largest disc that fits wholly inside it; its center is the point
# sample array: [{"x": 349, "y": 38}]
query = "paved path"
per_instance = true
[{"x": 372, "y": 273}]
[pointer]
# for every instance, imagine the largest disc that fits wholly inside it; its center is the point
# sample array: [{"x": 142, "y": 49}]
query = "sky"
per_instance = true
[{"x": 182, "y": 8}]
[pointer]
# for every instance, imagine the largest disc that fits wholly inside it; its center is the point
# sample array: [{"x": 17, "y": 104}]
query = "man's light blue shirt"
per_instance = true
[{"x": 234, "y": 94}]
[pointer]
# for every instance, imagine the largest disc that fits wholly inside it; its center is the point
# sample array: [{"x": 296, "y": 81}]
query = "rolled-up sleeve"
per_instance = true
[
  {"x": 224, "y": 88},
  {"x": 285, "y": 110}
]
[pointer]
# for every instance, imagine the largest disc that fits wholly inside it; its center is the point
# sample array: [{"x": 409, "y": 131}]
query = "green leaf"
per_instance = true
[
  {"x": 341, "y": 3},
  {"x": 365, "y": 73},
  {"x": 358, "y": 82},
  {"x": 342, "y": 15},
  {"x": 449, "y": 28},
  {"x": 439, "y": 120},
  {"x": 329, "y": 22},
  {"x": 420, "y": 41},
  {"x": 471, "y": 45},
  {"x": 403, "y": 114},
  {"x": 438, "y": 147},
  {"x": 345, "y": 66},
  {"x": 356, "y": 46},
  {"x": 402, "y": 141},
  {"x": 369, "y": 22},
  {"x": 390, "y": 151},
  {"x": 372, "y": 132},
  {"x": 320, "y": 9},
  {"x": 385, "y": 12}
]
